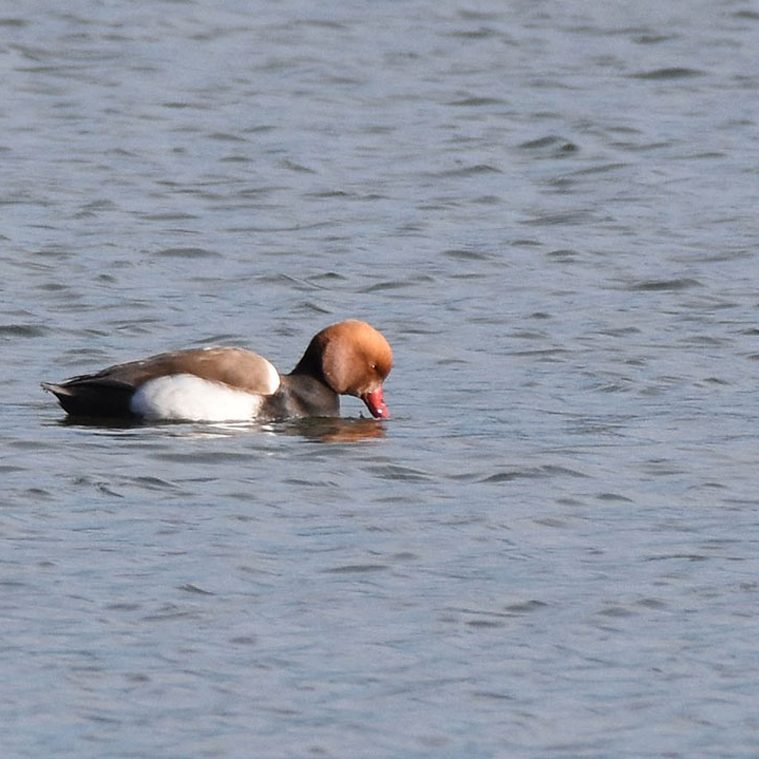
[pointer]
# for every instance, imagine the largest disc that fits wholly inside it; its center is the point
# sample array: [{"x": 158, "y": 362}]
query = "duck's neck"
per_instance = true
[{"x": 304, "y": 395}]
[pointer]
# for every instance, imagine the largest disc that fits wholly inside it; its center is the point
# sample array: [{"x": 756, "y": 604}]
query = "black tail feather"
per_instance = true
[{"x": 85, "y": 399}]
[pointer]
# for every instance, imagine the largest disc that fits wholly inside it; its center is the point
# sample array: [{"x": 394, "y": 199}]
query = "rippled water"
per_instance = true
[{"x": 550, "y": 210}]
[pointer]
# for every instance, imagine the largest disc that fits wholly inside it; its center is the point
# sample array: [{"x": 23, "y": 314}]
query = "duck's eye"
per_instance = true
[{"x": 373, "y": 365}]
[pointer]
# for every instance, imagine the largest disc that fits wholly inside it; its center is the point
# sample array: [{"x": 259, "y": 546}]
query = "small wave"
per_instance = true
[
  {"x": 22, "y": 330},
  {"x": 187, "y": 253},
  {"x": 669, "y": 72},
  {"x": 654, "y": 285}
]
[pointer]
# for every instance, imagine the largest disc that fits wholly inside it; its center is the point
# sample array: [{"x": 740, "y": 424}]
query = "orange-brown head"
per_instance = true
[{"x": 351, "y": 358}]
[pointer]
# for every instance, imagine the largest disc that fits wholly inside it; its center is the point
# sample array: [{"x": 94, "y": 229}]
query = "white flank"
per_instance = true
[
  {"x": 274, "y": 380},
  {"x": 190, "y": 398}
]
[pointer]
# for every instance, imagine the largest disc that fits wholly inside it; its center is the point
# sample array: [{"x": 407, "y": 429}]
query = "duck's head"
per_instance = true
[{"x": 351, "y": 358}]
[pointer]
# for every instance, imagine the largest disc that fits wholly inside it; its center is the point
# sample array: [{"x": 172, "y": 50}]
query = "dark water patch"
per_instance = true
[
  {"x": 482, "y": 33},
  {"x": 327, "y": 279},
  {"x": 13, "y": 585},
  {"x": 563, "y": 254},
  {"x": 522, "y": 242},
  {"x": 485, "y": 623},
  {"x": 190, "y": 588},
  {"x": 550, "y": 145},
  {"x": 600, "y": 169},
  {"x": 528, "y": 334},
  {"x": 616, "y": 610},
  {"x": 124, "y": 606},
  {"x": 613, "y": 498},
  {"x": 186, "y": 105},
  {"x": 618, "y": 386},
  {"x": 562, "y": 218},
  {"x": 297, "y": 167},
  {"x": 288, "y": 280},
  {"x": 476, "y": 102},
  {"x": 251, "y": 229},
  {"x": 485, "y": 618},
  {"x": 260, "y": 129},
  {"x": 709, "y": 155},
  {"x": 226, "y": 137},
  {"x": 187, "y": 253},
  {"x": 154, "y": 483},
  {"x": 40, "y": 494},
  {"x": 539, "y": 472},
  {"x": 54, "y": 252},
  {"x": 320, "y": 23},
  {"x": 204, "y": 457},
  {"x": 22, "y": 330},
  {"x": 652, "y": 39},
  {"x": 488, "y": 695},
  {"x": 300, "y": 482},
  {"x": 96, "y": 205},
  {"x": 244, "y": 640},
  {"x": 170, "y": 612},
  {"x": 553, "y": 522},
  {"x": 459, "y": 254},
  {"x": 310, "y": 308},
  {"x": 701, "y": 341},
  {"x": 254, "y": 192},
  {"x": 525, "y": 607},
  {"x": 652, "y": 603},
  {"x": 645, "y": 147},
  {"x": 619, "y": 331},
  {"x": 715, "y": 381},
  {"x": 398, "y": 284},
  {"x": 406, "y": 556},
  {"x": 664, "y": 285},
  {"x": 108, "y": 490},
  {"x": 669, "y": 72},
  {"x": 746, "y": 15},
  {"x": 397, "y": 472},
  {"x": 356, "y": 569},
  {"x": 236, "y": 159},
  {"x": 328, "y": 194},
  {"x": 548, "y": 354},
  {"x": 468, "y": 171}
]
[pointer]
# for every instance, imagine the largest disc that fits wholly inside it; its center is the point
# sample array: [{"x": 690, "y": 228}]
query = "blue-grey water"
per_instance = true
[{"x": 550, "y": 209}]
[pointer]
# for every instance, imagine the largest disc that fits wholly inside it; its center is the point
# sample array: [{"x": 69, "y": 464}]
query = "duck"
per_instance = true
[{"x": 221, "y": 384}]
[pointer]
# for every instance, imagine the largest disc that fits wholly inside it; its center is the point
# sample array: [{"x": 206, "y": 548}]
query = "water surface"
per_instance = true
[{"x": 550, "y": 210}]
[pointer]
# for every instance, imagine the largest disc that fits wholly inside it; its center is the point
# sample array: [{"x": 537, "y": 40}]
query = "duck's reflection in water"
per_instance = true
[{"x": 335, "y": 429}]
